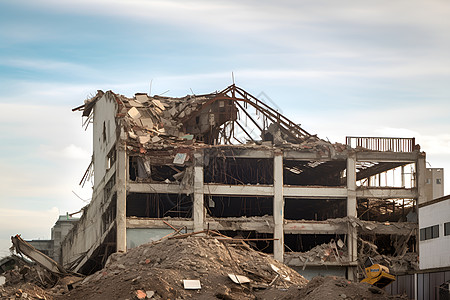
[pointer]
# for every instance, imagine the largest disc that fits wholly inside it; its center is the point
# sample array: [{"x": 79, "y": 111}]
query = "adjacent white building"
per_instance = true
[{"x": 434, "y": 224}]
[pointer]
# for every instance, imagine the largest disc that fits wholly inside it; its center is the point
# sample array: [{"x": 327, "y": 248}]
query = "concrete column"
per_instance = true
[
  {"x": 421, "y": 169},
  {"x": 351, "y": 185},
  {"x": 278, "y": 207},
  {"x": 199, "y": 208},
  {"x": 121, "y": 208},
  {"x": 352, "y": 240},
  {"x": 420, "y": 179}
]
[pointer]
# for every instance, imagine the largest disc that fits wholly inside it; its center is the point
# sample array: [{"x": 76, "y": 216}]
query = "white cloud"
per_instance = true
[
  {"x": 46, "y": 65},
  {"x": 68, "y": 152},
  {"x": 30, "y": 224}
]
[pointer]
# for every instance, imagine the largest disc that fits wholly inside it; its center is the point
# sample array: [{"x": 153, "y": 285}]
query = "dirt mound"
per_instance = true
[
  {"x": 320, "y": 288},
  {"x": 24, "y": 291},
  {"x": 158, "y": 269}
]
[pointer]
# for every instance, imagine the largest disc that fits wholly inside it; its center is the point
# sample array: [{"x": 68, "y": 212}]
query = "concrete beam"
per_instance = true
[
  {"x": 386, "y": 193},
  {"x": 159, "y": 223},
  {"x": 305, "y": 227},
  {"x": 237, "y": 190},
  {"x": 297, "y": 155},
  {"x": 263, "y": 225},
  {"x": 321, "y": 192},
  {"x": 158, "y": 188},
  {"x": 374, "y": 156},
  {"x": 391, "y": 228},
  {"x": 248, "y": 153}
]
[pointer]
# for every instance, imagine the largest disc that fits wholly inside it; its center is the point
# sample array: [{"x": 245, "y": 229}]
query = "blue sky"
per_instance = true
[{"x": 359, "y": 68}]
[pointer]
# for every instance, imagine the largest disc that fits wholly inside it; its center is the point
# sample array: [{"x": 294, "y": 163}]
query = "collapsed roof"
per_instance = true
[{"x": 228, "y": 117}]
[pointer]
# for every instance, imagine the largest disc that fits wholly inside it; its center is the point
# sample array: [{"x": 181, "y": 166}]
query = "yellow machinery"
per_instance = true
[{"x": 377, "y": 274}]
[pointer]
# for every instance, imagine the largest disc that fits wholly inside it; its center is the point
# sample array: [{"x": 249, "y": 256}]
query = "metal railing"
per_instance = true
[{"x": 388, "y": 144}]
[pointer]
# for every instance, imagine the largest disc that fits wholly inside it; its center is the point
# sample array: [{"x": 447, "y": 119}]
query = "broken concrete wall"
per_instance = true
[
  {"x": 98, "y": 217},
  {"x": 85, "y": 234},
  {"x": 104, "y": 134}
]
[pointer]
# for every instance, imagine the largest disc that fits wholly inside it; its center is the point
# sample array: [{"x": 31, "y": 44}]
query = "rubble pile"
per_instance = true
[
  {"x": 328, "y": 252},
  {"x": 157, "y": 271},
  {"x": 338, "y": 288},
  {"x": 187, "y": 267},
  {"x": 26, "y": 280}
]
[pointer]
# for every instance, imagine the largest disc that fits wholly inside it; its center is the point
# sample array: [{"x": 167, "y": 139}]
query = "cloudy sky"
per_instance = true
[{"x": 359, "y": 68}]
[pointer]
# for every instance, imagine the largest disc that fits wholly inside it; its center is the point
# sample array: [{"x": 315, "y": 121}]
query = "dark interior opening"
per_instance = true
[
  {"x": 314, "y": 209},
  {"x": 321, "y": 173},
  {"x": 383, "y": 210},
  {"x": 263, "y": 246},
  {"x": 159, "y": 205},
  {"x": 305, "y": 242},
  {"x": 221, "y": 206},
  {"x": 386, "y": 243},
  {"x": 140, "y": 169},
  {"x": 229, "y": 170}
]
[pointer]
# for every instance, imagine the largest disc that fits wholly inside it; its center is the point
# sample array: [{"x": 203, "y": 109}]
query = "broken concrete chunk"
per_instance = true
[
  {"x": 134, "y": 113},
  {"x": 150, "y": 294},
  {"x": 173, "y": 111},
  {"x": 191, "y": 284},
  {"x": 144, "y": 139},
  {"x": 135, "y": 103},
  {"x": 132, "y": 135},
  {"x": 156, "y": 139},
  {"x": 147, "y": 122},
  {"x": 141, "y": 98},
  {"x": 179, "y": 158},
  {"x": 158, "y": 104},
  {"x": 239, "y": 279}
]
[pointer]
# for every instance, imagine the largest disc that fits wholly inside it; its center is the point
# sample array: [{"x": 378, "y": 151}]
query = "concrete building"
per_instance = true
[
  {"x": 226, "y": 161},
  {"x": 434, "y": 183},
  {"x": 52, "y": 247},
  {"x": 434, "y": 246}
]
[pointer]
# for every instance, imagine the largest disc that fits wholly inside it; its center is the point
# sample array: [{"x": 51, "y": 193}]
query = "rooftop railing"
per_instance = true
[{"x": 388, "y": 144}]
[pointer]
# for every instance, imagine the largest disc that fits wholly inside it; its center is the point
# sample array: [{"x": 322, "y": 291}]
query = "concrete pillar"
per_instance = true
[
  {"x": 199, "y": 208},
  {"x": 421, "y": 169},
  {"x": 352, "y": 240},
  {"x": 351, "y": 185},
  {"x": 278, "y": 207},
  {"x": 421, "y": 179},
  {"x": 121, "y": 208}
]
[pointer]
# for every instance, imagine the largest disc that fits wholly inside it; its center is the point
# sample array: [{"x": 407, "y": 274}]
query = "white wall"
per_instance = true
[
  {"x": 88, "y": 230},
  {"x": 435, "y": 253},
  {"x": 104, "y": 118}
]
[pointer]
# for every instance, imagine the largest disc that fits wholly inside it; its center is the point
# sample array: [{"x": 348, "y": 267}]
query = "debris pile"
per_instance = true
[
  {"x": 210, "y": 266},
  {"x": 338, "y": 288},
  {"x": 25, "y": 280},
  {"x": 328, "y": 252},
  {"x": 187, "y": 267}
]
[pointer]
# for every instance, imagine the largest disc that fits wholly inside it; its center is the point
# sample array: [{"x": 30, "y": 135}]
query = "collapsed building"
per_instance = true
[{"x": 228, "y": 162}]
